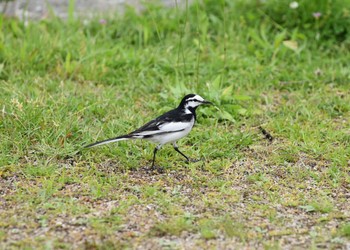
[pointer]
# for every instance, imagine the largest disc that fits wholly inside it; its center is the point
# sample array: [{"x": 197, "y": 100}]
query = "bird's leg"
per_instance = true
[
  {"x": 154, "y": 155},
  {"x": 177, "y": 150}
]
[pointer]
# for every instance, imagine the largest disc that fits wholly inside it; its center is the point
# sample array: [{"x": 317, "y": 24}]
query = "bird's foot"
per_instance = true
[
  {"x": 192, "y": 160},
  {"x": 154, "y": 169}
]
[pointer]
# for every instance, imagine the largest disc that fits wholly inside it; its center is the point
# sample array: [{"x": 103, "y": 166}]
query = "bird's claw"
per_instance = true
[
  {"x": 192, "y": 160},
  {"x": 153, "y": 169}
]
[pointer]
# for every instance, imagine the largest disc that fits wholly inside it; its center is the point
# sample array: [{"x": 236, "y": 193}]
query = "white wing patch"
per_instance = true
[
  {"x": 150, "y": 132},
  {"x": 175, "y": 126},
  {"x": 167, "y": 128}
]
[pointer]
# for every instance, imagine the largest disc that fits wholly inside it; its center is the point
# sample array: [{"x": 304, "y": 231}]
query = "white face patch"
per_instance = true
[
  {"x": 194, "y": 101},
  {"x": 196, "y": 98}
]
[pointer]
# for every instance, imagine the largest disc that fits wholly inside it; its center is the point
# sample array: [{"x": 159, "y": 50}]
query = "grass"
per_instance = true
[{"x": 66, "y": 84}]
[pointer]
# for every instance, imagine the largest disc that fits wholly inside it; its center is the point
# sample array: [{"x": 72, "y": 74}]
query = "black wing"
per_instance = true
[{"x": 174, "y": 115}]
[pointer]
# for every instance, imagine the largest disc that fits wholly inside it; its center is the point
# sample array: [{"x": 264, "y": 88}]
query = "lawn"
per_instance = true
[{"x": 269, "y": 67}]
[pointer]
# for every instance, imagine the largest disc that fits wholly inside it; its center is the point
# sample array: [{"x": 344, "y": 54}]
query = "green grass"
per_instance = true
[{"x": 65, "y": 84}]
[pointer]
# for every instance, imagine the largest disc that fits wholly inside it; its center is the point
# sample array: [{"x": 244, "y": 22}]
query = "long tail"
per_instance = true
[{"x": 119, "y": 138}]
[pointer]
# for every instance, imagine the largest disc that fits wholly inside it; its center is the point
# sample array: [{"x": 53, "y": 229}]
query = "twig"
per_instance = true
[{"x": 266, "y": 134}]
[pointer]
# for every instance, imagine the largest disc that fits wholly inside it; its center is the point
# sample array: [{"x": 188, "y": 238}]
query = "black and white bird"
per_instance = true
[{"x": 167, "y": 128}]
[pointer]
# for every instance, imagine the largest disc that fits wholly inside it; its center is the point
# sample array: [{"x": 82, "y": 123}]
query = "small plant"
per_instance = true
[
  {"x": 345, "y": 230},
  {"x": 232, "y": 228},
  {"x": 207, "y": 228},
  {"x": 173, "y": 227},
  {"x": 322, "y": 206}
]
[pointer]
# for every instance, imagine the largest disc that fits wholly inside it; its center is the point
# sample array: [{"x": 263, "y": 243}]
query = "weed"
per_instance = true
[{"x": 172, "y": 227}]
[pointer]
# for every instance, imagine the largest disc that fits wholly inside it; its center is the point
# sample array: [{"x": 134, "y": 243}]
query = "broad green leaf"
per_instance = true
[
  {"x": 293, "y": 45},
  {"x": 227, "y": 92},
  {"x": 308, "y": 208},
  {"x": 226, "y": 116},
  {"x": 242, "y": 97},
  {"x": 216, "y": 84}
]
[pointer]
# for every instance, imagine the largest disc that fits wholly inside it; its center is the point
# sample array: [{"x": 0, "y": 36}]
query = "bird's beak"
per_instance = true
[{"x": 207, "y": 102}]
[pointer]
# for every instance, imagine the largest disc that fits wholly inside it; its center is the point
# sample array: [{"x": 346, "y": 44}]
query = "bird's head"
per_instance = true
[{"x": 192, "y": 101}]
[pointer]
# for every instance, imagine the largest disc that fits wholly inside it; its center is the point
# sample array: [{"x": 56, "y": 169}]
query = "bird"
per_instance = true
[{"x": 167, "y": 128}]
